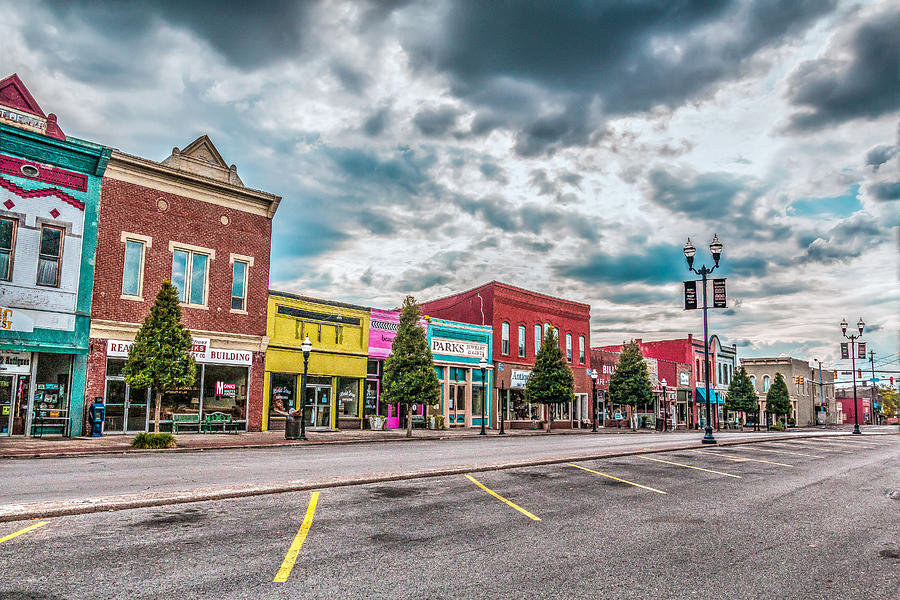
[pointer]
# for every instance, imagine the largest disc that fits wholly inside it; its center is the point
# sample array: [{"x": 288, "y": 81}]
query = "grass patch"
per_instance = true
[{"x": 153, "y": 441}]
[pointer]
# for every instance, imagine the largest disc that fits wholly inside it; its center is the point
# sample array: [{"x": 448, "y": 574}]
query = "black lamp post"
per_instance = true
[
  {"x": 483, "y": 364},
  {"x": 500, "y": 408},
  {"x": 852, "y": 337},
  {"x": 715, "y": 247},
  {"x": 594, "y": 399},
  {"x": 306, "y": 347},
  {"x": 665, "y": 403}
]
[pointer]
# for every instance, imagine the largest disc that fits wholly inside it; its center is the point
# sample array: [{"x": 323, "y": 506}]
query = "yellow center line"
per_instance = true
[
  {"x": 502, "y": 499},
  {"x": 21, "y": 531},
  {"x": 291, "y": 557},
  {"x": 742, "y": 459},
  {"x": 677, "y": 464},
  {"x": 617, "y": 479},
  {"x": 752, "y": 447}
]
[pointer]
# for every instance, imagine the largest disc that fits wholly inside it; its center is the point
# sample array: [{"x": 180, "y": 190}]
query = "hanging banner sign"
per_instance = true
[
  {"x": 719, "y": 300},
  {"x": 861, "y": 349},
  {"x": 15, "y": 320},
  {"x": 690, "y": 295},
  {"x": 845, "y": 351}
]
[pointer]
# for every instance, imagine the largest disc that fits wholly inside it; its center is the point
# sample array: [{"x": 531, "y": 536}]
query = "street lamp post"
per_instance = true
[
  {"x": 853, "y": 337},
  {"x": 665, "y": 403},
  {"x": 594, "y": 399},
  {"x": 500, "y": 408},
  {"x": 306, "y": 347},
  {"x": 483, "y": 364},
  {"x": 715, "y": 248}
]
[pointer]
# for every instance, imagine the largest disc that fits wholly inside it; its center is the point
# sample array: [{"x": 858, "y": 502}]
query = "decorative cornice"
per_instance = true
[
  {"x": 12, "y": 187},
  {"x": 119, "y": 330},
  {"x": 72, "y": 153}
]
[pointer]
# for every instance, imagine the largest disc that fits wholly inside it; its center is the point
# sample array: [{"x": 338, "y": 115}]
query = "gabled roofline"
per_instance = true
[{"x": 508, "y": 286}]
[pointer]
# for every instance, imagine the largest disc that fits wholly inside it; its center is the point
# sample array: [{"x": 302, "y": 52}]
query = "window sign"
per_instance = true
[{"x": 518, "y": 378}]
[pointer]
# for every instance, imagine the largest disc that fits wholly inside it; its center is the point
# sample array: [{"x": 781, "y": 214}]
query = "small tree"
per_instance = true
[
  {"x": 741, "y": 395},
  {"x": 778, "y": 400},
  {"x": 409, "y": 376},
  {"x": 161, "y": 356},
  {"x": 551, "y": 381},
  {"x": 630, "y": 382},
  {"x": 888, "y": 401}
]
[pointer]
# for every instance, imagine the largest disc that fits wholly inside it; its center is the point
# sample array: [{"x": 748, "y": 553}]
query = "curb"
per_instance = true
[{"x": 59, "y": 508}]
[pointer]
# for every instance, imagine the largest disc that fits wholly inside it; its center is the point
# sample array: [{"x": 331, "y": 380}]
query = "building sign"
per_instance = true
[
  {"x": 458, "y": 348},
  {"x": 690, "y": 295},
  {"x": 383, "y": 326},
  {"x": 684, "y": 379},
  {"x": 719, "y": 299},
  {"x": 518, "y": 379},
  {"x": 15, "y": 363},
  {"x": 22, "y": 119},
  {"x": 200, "y": 350},
  {"x": 15, "y": 320},
  {"x": 860, "y": 349},
  {"x": 227, "y": 390}
]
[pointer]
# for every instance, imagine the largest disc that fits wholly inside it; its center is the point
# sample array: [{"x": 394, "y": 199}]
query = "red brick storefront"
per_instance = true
[
  {"x": 516, "y": 314},
  {"x": 189, "y": 219}
]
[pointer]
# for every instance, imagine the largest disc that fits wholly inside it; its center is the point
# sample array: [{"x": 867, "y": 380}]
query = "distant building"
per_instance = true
[
  {"x": 808, "y": 406},
  {"x": 844, "y": 404}
]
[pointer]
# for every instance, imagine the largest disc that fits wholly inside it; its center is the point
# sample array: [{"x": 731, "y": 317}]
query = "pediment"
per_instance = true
[
  {"x": 201, "y": 157},
  {"x": 14, "y": 94}
]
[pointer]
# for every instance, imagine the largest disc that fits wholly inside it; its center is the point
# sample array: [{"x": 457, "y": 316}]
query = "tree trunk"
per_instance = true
[
  {"x": 549, "y": 418},
  {"x": 409, "y": 420},
  {"x": 156, "y": 408}
]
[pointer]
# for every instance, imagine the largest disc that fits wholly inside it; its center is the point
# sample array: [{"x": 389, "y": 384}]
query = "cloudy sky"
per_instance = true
[{"x": 566, "y": 147}]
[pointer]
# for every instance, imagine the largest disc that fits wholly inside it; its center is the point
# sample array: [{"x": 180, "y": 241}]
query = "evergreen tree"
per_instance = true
[
  {"x": 741, "y": 395},
  {"x": 161, "y": 356},
  {"x": 630, "y": 382},
  {"x": 778, "y": 400},
  {"x": 551, "y": 381},
  {"x": 409, "y": 376}
]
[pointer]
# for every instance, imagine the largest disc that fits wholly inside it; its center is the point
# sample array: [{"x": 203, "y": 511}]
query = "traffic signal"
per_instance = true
[
  {"x": 892, "y": 381},
  {"x": 796, "y": 380},
  {"x": 859, "y": 373},
  {"x": 835, "y": 374},
  {"x": 802, "y": 380}
]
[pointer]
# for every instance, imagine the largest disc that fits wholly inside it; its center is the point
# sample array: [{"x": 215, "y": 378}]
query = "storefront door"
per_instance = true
[
  {"x": 393, "y": 417},
  {"x": 7, "y": 387},
  {"x": 457, "y": 405},
  {"x": 318, "y": 406},
  {"x": 136, "y": 410},
  {"x": 115, "y": 407}
]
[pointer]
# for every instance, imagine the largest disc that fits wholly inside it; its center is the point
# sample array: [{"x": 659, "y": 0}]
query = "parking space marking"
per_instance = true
[
  {"x": 617, "y": 479},
  {"x": 816, "y": 446},
  {"x": 741, "y": 459},
  {"x": 15, "y": 534},
  {"x": 291, "y": 557},
  {"x": 502, "y": 499},
  {"x": 758, "y": 449},
  {"x": 677, "y": 464}
]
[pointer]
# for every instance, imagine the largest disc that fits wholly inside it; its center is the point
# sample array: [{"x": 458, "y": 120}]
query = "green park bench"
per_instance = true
[
  {"x": 213, "y": 421},
  {"x": 182, "y": 420}
]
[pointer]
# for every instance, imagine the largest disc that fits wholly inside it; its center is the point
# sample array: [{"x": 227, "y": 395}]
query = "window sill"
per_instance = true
[
  {"x": 197, "y": 306},
  {"x": 132, "y": 298},
  {"x": 238, "y": 312}
]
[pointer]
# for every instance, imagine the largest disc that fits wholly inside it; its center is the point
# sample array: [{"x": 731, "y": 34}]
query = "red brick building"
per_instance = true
[
  {"x": 521, "y": 319},
  {"x": 189, "y": 219}
]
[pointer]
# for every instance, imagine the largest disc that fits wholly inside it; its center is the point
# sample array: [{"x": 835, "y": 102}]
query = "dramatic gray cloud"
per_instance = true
[{"x": 879, "y": 155}]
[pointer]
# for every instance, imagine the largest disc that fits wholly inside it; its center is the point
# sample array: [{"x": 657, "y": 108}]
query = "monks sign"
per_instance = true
[{"x": 15, "y": 320}]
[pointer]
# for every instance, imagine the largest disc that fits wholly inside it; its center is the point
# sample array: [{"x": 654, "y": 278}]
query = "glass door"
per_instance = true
[
  {"x": 136, "y": 409},
  {"x": 457, "y": 405},
  {"x": 318, "y": 406},
  {"x": 7, "y": 386},
  {"x": 115, "y": 407}
]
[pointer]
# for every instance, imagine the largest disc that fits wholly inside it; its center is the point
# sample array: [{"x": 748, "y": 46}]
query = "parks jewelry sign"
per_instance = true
[{"x": 458, "y": 348}]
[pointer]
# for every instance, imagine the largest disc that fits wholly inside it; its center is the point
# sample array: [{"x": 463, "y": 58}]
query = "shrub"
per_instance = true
[
  {"x": 776, "y": 427},
  {"x": 153, "y": 440},
  {"x": 439, "y": 422}
]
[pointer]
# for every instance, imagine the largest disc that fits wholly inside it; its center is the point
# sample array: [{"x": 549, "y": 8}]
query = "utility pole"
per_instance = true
[
  {"x": 874, "y": 392},
  {"x": 822, "y": 394}
]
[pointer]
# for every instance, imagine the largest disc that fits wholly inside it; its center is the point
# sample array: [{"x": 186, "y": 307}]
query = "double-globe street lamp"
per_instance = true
[
  {"x": 664, "y": 385},
  {"x": 594, "y": 399},
  {"x": 483, "y": 364},
  {"x": 715, "y": 248},
  {"x": 853, "y": 337},
  {"x": 306, "y": 347}
]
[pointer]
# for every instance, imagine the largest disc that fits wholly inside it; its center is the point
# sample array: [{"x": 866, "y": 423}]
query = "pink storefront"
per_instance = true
[{"x": 383, "y": 326}]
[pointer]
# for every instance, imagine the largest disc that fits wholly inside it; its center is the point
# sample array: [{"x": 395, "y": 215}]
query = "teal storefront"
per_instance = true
[
  {"x": 49, "y": 202},
  {"x": 458, "y": 349}
]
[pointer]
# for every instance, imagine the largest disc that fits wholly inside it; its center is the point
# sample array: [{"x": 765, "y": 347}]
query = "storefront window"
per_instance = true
[
  {"x": 283, "y": 392},
  {"x": 477, "y": 401},
  {"x": 225, "y": 390},
  {"x": 519, "y": 409},
  {"x": 370, "y": 396},
  {"x": 51, "y": 392},
  {"x": 439, "y": 371},
  {"x": 182, "y": 401},
  {"x": 348, "y": 397},
  {"x": 372, "y": 368},
  {"x": 561, "y": 411}
]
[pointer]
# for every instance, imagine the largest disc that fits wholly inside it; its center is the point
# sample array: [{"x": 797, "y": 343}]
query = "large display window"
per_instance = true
[
  {"x": 283, "y": 394},
  {"x": 348, "y": 397},
  {"x": 518, "y": 409},
  {"x": 225, "y": 391},
  {"x": 51, "y": 394}
]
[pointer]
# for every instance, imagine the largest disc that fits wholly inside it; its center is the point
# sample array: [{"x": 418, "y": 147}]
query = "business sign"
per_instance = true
[
  {"x": 459, "y": 348},
  {"x": 861, "y": 350},
  {"x": 684, "y": 379},
  {"x": 200, "y": 350},
  {"x": 227, "y": 390},
  {"x": 15, "y": 363},
  {"x": 719, "y": 299},
  {"x": 15, "y": 320},
  {"x": 845, "y": 350},
  {"x": 690, "y": 295},
  {"x": 22, "y": 119},
  {"x": 383, "y": 327},
  {"x": 518, "y": 379}
]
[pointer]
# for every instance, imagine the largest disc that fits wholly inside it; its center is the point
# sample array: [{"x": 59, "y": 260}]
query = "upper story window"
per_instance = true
[
  {"x": 581, "y": 349},
  {"x": 134, "y": 268},
  {"x": 568, "y": 347},
  {"x": 190, "y": 271},
  {"x": 50, "y": 256},
  {"x": 239, "y": 285},
  {"x": 753, "y": 381},
  {"x": 537, "y": 338},
  {"x": 521, "y": 340},
  {"x": 504, "y": 338},
  {"x": 766, "y": 383},
  {"x": 7, "y": 247}
]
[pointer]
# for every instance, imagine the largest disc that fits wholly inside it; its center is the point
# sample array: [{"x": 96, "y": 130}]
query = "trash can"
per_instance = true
[{"x": 292, "y": 426}]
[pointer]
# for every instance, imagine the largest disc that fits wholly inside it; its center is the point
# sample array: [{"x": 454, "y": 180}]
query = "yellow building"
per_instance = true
[{"x": 337, "y": 364}]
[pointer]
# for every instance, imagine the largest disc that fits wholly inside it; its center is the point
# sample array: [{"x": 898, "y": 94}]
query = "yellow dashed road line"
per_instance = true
[
  {"x": 502, "y": 499},
  {"x": 291, "y": 557},
  {"x": 677, "y": 464},
  {"x": 742, "y": 459},
  {"x": 758, "y": 449},
  {"x": 21, "y": 531},
  {"x": 617, "y": 479}
]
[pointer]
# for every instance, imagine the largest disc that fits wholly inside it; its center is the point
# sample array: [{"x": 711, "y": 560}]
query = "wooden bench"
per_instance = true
[
  {"x": 180, "y": 420},
  {"x": 215, "y": 420}
]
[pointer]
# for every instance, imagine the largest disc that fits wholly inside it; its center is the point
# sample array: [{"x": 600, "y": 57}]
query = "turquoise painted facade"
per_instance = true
[
  {"x": 61, "y": 313},
  {"x": 457, "y": 349}
]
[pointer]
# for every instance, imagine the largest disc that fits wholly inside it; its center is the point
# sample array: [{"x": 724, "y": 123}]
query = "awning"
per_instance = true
[{"x": 716, "y": 398}]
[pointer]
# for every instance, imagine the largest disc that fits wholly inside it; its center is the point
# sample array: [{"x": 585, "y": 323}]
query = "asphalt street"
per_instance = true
[
  {"x": 794, "y": 519},
  {"x": 45, "y": 479}
]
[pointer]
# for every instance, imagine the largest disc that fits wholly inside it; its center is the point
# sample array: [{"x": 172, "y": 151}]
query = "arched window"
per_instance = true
[
  {"x": 581, "y": 349},
  {"x": 753, "y": 381},
  {"x": 537, "y": 338},
  {"x": 504, "y": 338},
  {"x": 568, "y": 347},
  {"x": 765, "y": 383},
  {"x": 521, "y": 340},
  {"x": 699, "y": 372}
]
